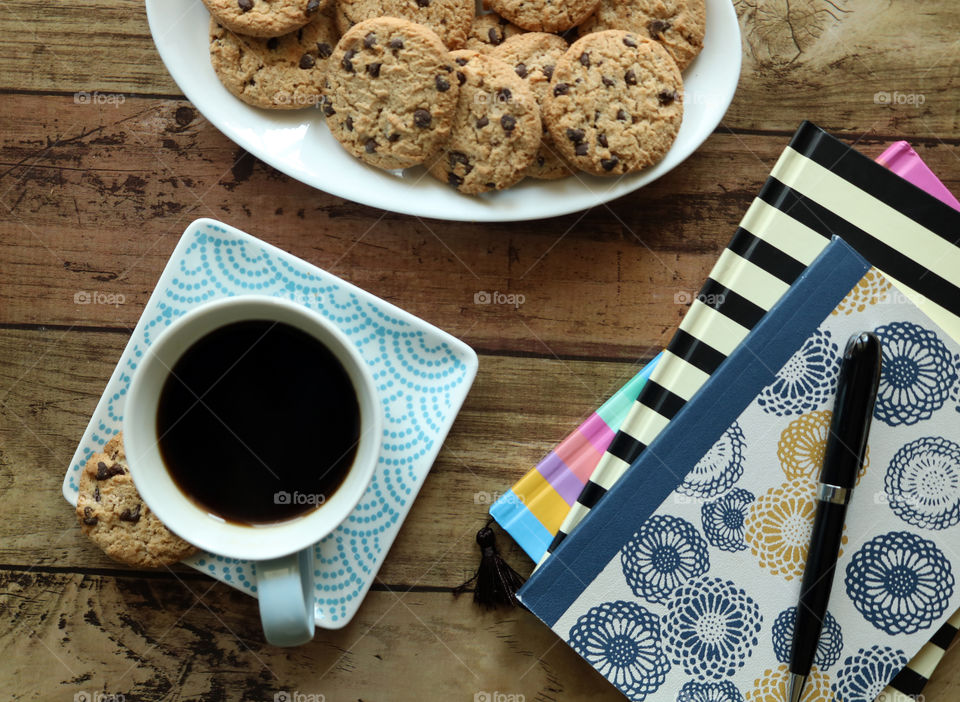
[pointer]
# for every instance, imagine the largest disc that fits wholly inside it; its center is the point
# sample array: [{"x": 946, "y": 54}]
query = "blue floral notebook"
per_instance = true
[{"x": 682, "y": 583}]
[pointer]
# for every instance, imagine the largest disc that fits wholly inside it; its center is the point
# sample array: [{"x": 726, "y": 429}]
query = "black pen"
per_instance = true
[{"x": 842, "y": 460}]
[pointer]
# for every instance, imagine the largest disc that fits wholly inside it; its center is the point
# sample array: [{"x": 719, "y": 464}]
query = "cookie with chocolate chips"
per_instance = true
[
  {"x": 490, "y": 31},
  {"x": 544, "y": 15},
  {"x": 679, "y": 25},
  {"x": 265, "y": 18},
  {"x": 391, "y": 92},
  {"x": 279, "y": 73},
  {"x": 615, "y": 103},
  {"x": 534, "y": 56},
  {"x": 449, "y": 19},
  {"x": 496, "y": 129},
  {"x": 112, "y": 514}
]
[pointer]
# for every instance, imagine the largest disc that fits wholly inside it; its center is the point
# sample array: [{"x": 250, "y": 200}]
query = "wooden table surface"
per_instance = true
[{"x": 93, "y": 198}]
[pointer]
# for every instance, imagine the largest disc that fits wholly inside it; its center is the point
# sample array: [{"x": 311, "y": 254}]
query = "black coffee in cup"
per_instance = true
[{"x": 258, "y": 422}]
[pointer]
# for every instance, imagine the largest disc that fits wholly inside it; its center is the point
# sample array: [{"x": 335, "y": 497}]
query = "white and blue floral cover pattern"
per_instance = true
[{"x": 699, "y": 604}]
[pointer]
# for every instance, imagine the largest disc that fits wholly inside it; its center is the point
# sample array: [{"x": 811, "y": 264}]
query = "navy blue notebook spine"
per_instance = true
[{"x": 662, "y": 467}]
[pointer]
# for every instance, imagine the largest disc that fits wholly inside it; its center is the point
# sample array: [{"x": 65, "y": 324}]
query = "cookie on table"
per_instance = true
[
  {"x": 112, "y": 514},
  {"x": 450, "y": 19},
  {"x": 280, "y": 73},
  {"x": 496, "y": 129},
  {"x": 677, "y": 24},
  {"x": 533, "y": 56},
  {"x": 489, "y": 31},
  {"x": 615, "y": 103},
  {"x": 264, "y": 18},
  {"x": 391, "y": 92},
  {"x": 544, "y": 15}
]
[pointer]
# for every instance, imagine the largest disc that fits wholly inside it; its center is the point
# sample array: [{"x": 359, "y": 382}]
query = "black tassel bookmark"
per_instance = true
[{"x": 496, "y": 582}]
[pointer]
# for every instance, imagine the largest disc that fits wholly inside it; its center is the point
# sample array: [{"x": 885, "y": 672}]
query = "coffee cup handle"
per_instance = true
[{"x": 285, "y": 590}]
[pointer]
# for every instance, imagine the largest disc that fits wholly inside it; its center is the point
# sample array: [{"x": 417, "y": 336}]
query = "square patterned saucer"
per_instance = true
[{"x": 422, "y": 375}]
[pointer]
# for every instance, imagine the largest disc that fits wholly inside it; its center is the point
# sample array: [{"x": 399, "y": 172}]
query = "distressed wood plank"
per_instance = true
[
  {"x": 853, "y": 66},
  {"x": 65, "y": 634},
  {"x": 52, "y": 380},
  {"x": 95, "y": 197},
  {"x": 806, "y": 58},
  {"x": 100, "y": 45}
]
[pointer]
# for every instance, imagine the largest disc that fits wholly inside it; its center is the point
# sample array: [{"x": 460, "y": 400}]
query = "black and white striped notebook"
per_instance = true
[{"x": 819, "y": 187}]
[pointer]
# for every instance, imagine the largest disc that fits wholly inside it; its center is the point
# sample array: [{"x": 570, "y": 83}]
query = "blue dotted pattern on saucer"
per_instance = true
[{"x": 421, "y": 378}]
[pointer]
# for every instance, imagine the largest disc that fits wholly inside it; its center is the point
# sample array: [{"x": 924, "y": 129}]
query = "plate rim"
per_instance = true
[{"x": 491, "y": 210}]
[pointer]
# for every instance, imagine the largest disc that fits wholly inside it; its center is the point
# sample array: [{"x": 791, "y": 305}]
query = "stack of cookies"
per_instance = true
[{"x": 481, "y": 101}]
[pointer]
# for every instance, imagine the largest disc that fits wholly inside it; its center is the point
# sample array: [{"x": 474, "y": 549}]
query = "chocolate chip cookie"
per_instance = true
[
  {"x": 677, "y": 24},
  {"x": 544, "y": 15},
  {"x": 489, "y": 31},
  {"x": 450, "y": 19},
  {"x": 615, "y": 103},
  {"x": 534, "y": 56},
  {"x": 496, "y": 129},
  {"x": 112, "y": 514},
  {"x": 264, "y": 18},
  {"x": 391, "y": 92},
  {"x": 280, "y": 73}
]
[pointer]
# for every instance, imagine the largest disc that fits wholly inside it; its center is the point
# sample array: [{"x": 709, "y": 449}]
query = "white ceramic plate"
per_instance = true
[{"x": 299, "y": 144}]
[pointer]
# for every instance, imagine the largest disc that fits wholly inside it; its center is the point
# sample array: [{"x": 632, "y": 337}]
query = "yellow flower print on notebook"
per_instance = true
[
  {"x": 778, "y": 527},
  {"x": 802, "y": 445},
  {"x": 871, "y": 289},
  {"x": 772, "y": 686}
]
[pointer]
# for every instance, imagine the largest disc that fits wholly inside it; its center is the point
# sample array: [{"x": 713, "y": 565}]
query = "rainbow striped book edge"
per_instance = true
[{"x": 533, "y": 509}]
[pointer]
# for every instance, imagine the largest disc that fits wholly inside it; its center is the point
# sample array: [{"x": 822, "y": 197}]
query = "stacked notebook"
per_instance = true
[
  {"x": 685, "y": 579},
  {"x": 819, "y": 186},
  {"x": 536, "y": 507}
]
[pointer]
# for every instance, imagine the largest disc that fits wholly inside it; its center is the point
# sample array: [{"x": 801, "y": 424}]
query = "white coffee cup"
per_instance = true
[{"x": 283, "y": 551}]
